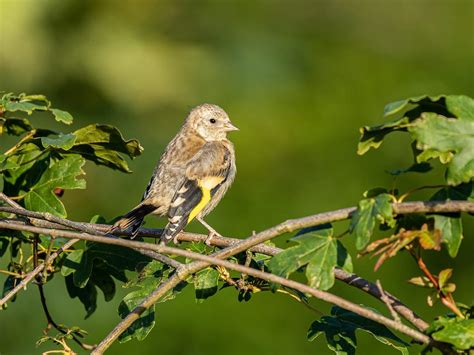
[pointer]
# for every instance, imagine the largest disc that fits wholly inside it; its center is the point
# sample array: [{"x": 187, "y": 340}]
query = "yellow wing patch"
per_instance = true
[{"x": 206, "y": 185}]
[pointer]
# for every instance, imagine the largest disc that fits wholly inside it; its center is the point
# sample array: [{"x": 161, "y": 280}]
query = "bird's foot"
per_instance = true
[
  {"x": 208, "y": 240},
  {"x": 176, "y": 240}
]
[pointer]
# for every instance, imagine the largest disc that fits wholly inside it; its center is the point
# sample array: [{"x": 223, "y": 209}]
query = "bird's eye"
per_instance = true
[{"x": 212, "y": 120}]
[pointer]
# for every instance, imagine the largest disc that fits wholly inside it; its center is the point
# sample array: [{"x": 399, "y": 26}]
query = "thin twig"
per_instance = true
[
  {"x": 33, "y": 273},
  {"x": 385, "y": 299},
  {"x": 371, "y": 289},
  {"x": 49, "y": 318}
]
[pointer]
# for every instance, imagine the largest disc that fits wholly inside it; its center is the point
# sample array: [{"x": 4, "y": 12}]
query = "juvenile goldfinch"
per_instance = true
[{"x": 192, "y": 176}]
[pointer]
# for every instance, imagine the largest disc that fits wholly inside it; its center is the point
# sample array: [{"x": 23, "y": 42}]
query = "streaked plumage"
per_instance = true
[{"x": 192, "y": 176}]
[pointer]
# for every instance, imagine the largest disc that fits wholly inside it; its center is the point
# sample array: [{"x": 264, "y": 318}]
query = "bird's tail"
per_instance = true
[{"x": 133, "y": 219}]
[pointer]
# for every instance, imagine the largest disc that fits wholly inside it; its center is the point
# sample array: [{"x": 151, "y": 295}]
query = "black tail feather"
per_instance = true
[{"x": 132, "y": 221}]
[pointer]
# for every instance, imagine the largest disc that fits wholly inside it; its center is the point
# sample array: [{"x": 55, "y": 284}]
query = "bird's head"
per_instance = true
[{"x": 210, "y": 121}]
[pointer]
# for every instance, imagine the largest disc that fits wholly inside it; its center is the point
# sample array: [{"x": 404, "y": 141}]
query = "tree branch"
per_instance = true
[
  {"x": 204, "y": 261},
  {"x": 48, "y": 220},
  {"x": 249, "y": 243}
]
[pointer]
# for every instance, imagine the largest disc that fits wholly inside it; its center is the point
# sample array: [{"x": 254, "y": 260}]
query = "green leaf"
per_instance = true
[
  {"x": 441, "y": 135},
  {"x": 455, "y": 331},
  {"x": 61, "y": 116},
  {"x": 444, "y": 276},
  {"x": 461, "y": 106},
  {"x": 113, "y": 259},
  {"x": 368, "y": 212},
  {"x": 415, "y": 168},
  {"x": 94, "y": 266},
  {"x": 317, "y": 249},
  {"x": 102, "y": 156},
  {"x": 372, "y": 136},
  {"x": 104, "y": 144},
  {"x": 105, "y": 283},
  {"x": 61, "y": 174},
  {"x": 412, "y": 108},
  {"x": 344, "y": 259},
  {"x": 87, "y": 294},
  {"x": 62, "y": 141},
  {"x": 453, "y": 193},
  {"x": 25, "y": 103},
  {"x": 9, "y": 284},
  {"x": 7, "y": 164},
  {"x": 31, "y": 162},
  {"x": 108, "y": 137},
  {"x": 147, "y": 281},
  {"x": 451, "y": 232},
  {"x": 154, "y": 270},
  {"x": 24, "y": 106},
  {"x": 340, "y": 332},
  {"x": 143, "y": 325},
  {"x": 422, "y": 100},
  {"x": 205, "y": 283},
  {"x": 72, "y": 262},
  {"x": 4, "y": 242},
  {"x": 14, "y": 126}
]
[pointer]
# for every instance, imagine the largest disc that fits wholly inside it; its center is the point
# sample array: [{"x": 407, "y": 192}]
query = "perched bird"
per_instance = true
[{"x": 192, "y": 176}]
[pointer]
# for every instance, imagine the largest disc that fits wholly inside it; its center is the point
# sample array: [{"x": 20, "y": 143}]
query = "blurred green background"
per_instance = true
[{"x": 297, "y": 77}]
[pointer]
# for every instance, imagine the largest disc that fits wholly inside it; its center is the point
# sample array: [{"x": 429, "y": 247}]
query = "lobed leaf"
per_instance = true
[
  {"x": 109, "y": 137},
  {"x": 319, "y": 251},
  {"x": 62, "y": 116},
  {"x": 452, "y": 140},
  {"x": 455, "y": 331},
  {"x": 87, "y": 295},
  {"x": 103, "y": 144},
  {"x": 61, "y": 174},
  {"x": 438, "y": 135}
]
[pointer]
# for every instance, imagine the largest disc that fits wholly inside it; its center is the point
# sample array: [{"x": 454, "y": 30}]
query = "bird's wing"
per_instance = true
[{"x": 205, "y": 173}]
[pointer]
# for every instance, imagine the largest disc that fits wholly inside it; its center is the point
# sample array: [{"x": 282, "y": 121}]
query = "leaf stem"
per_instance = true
[{"x": 446, "y": 299}]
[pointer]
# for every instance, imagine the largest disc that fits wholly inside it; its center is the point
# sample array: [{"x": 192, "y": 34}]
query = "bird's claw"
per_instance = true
[
  {"x": 175, "y": 239},
  {"x": 209, "y": 239}
]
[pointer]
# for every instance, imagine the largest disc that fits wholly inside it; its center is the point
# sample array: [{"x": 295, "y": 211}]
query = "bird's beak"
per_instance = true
[{"x": 229, "y": 127}]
